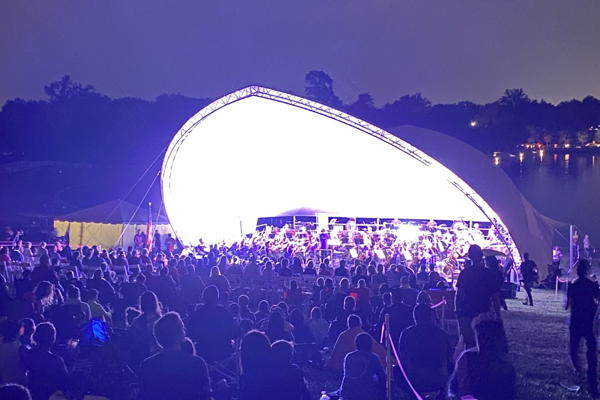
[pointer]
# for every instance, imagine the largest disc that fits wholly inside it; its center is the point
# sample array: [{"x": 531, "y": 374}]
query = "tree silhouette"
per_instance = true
[
  {"x": 319, "y": 87},
  {"x": 65, "y": 89},
  {"x": 514, "y": 98}
]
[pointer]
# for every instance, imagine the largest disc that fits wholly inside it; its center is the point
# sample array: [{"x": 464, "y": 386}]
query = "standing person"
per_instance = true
[
  {"x": 170, "y": 243},
  {"x": 157, "y": 242},
  {"x": 476, "y": 287},
  {"x": 582, "y": 298},
  {"x": 139, "y": 240},
  {"x": 587, "y": 246},
  {"x": 530, "y": 276}
]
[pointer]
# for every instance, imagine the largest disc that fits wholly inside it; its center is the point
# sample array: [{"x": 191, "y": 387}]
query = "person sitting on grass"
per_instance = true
[
  {"x": 174, "y": 372},
  {"x": 345, "y": 344},
  {"x": 364, "y": 378},
  {"x": 47, "y": 372},
  {"x": 484, "y": 371},
  {"x": 288, "y": 379},
  {"x": 426, "y": 352}
]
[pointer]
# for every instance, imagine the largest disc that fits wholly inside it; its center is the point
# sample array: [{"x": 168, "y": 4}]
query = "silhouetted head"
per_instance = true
[
  {"x": 354, "y": 321},
  {"x": 255, "y": 350},
  {"x": 169, "y": 330},
  {"x": 363, "y": 342},
  {"x": 583, "y": 267},
  {"x": 14, "y": 391},
  {"x": 210, "y": 295},
  {"x": 45, "y": 335},
  {"x": 422, "y": 314},
  {"x": 149, "y": 303},
  {"x": 475, "y": 254},
  {"x": 282, "y": 352}
]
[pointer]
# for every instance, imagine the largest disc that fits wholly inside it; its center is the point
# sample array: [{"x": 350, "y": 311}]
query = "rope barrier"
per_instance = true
[
  {"x": 441, "y": 303},
  {"x": 397, "y": 357},
  {"x": 559, "y": 280},
  {"x": 412, "y": 388}
]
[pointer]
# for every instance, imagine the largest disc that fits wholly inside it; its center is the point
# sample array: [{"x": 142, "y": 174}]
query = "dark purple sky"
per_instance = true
[{"x": 448, "y": 50}]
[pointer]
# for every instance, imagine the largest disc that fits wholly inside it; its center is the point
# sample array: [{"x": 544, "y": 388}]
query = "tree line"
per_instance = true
[{"x": 93, "y": 148}]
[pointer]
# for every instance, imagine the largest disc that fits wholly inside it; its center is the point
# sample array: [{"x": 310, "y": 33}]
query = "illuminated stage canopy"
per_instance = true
[{"x": 258, "y": 152}]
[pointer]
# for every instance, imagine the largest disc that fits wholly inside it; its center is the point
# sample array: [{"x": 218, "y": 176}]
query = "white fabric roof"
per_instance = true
[{"x": 258, "y": 152}]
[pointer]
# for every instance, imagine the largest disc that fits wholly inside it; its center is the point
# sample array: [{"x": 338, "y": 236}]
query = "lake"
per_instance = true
[{"x": 565, "y": 187}]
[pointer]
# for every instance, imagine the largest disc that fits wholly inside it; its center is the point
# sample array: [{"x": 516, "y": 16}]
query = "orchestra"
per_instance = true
[{"x": 438, "y": 244}]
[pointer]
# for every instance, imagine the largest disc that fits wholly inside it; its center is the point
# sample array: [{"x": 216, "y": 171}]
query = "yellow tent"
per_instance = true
[{"x": 108, "y": 224}]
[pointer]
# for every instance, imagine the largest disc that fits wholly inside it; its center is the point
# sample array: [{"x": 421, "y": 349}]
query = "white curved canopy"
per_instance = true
[{"x": 258, "y": 152}]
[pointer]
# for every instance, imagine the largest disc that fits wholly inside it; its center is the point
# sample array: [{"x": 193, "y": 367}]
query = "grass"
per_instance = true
[{"x": 538, "y": 340}]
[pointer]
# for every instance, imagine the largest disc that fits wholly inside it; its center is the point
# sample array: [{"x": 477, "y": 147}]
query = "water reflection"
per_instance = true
[{"x": 563, "y": 186}]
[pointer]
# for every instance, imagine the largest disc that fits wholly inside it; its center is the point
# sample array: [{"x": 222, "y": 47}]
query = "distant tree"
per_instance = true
[
  {"x": 363, "y": 107},
  {"x": 547, "y": 139},
  {"x": 534, "y": 134},
  {"x": 564, "y": 137},
  {"x": 583, "y": 137},
  {"x": 319, "y": 87},
  {"x": 409, "y": 109},
  {"x": 514, "y": 98},
  {"x": 65, "y": 89}
]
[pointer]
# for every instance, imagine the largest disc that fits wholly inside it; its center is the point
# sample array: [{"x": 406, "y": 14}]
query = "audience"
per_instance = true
[{"x": 111, "y": 320}]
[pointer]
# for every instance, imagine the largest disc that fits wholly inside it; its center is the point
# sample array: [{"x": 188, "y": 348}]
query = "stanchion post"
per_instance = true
[
  {"x": 388, "y": 358},
  {"x": 556, "y": 289},
  {"x": 571, "y": 245}
]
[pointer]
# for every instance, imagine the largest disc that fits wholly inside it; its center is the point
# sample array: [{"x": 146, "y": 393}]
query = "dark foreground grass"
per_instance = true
[
  {"x": 538, "y": 347},
  {"x": 538, "y": 339}
]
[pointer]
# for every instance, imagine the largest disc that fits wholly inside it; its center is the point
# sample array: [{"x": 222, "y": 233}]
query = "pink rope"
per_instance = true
[
  {"x": 441, "y": 303},
  {"x": 417, "y": 395},
  {"x": 562, "y": 280}
]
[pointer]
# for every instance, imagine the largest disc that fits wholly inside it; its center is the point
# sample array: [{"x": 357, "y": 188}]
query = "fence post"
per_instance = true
[{"x": 388, "y": 358}]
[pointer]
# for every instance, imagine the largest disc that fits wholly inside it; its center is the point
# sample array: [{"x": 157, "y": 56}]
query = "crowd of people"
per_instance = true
[{"x": 247, "y": 322}]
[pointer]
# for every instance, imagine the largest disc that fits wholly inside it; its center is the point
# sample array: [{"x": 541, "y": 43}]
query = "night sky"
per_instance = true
[{"x": 447, "y": 50}]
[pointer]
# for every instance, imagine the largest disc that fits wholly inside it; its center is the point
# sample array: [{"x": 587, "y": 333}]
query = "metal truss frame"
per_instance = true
[{"x": 342, "y": 117}]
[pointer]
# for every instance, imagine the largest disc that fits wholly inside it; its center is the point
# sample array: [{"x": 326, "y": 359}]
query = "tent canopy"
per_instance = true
[
  {"x": 114, "y": 212},
  {"x": 532, "y": 231},
  {"x": 108, "y": 224},
  {"x": 302, "y": 212}
]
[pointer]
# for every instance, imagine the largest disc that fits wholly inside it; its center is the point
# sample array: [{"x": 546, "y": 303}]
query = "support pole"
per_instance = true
[
  {"x": 388, "y": 358},
  {"x": 571, "y": 245}
]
